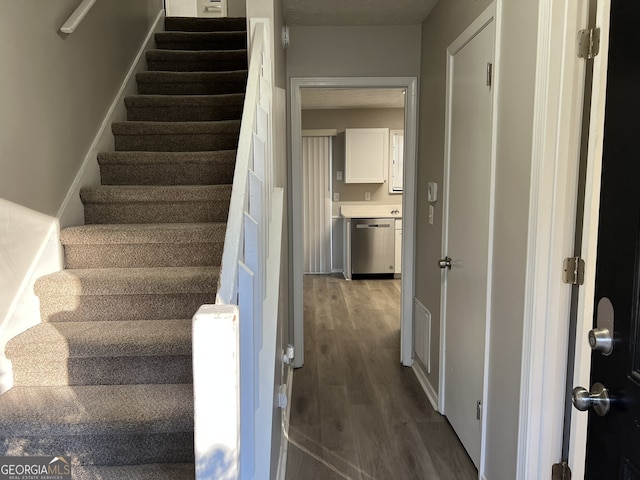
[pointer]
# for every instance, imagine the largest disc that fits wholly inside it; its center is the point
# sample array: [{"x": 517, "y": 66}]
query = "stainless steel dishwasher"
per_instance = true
[{"x": 372, "y": 246}]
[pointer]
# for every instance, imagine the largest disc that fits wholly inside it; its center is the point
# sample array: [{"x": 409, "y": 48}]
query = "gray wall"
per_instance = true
[
  {"x": 515, "y": 121},
  {"x": 354, "y": 51},
  {"x": 236, "y": 8},
  {"x": 392, "y": 118},
  {"x": 55, "y": 91}
]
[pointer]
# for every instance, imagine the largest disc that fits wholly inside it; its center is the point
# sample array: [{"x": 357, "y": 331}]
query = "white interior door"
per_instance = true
[{"x": 467, "y": 233}]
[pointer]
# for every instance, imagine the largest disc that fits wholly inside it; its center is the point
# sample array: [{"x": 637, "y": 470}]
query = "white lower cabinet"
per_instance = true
[{"x": 398, "y": 247}]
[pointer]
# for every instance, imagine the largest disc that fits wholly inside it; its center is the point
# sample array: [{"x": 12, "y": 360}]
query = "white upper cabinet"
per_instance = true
[{"x": 367, "y": 155}]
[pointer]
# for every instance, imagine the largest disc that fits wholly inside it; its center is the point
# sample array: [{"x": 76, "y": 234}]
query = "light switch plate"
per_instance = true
[
  {"x": 339, "y": 175},
  {"x": 432, "y": 192},
  {"x": 336, "y": 197}
]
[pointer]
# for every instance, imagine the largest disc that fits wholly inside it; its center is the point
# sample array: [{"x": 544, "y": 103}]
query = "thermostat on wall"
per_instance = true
[{"x": 432, "y": 192}]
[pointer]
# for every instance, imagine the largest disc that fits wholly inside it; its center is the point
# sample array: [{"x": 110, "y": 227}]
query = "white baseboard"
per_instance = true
[
  {"x": 71, "y": 212},
  {"x": 284, "y": 432},
  {"x": 429, "y": 391}
]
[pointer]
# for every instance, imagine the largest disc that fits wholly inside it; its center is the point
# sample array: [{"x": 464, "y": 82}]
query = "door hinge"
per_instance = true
[
  {"x": 588, "y": 43},
  {"x": 560, "y": 471},
  {"x": 479, "y": 410},
  {"x": 489, "y": 74},
  {"x": 573, "y": 271}
]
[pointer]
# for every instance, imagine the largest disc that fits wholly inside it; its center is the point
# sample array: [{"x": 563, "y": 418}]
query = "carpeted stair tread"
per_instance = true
[
  {"x": 222, "y": 157},
  {"x": 96, "y": 409},
  {"x": 119, "y": 234},
  {"x": 194, "y": 24},
  {"x": 184, "y": 108},
  {"x": 157, "y": 471},
  {"x": 103, "y": 353},
  {"x": 106, "y": 449},
  {"x": 196, "y": 61},
  {"x": 156, "y": 204},
  {"x": 151, "y": 101},
  {"x": 176, "y": 136},
  {"x": 128, "y": 281},
  {"x": 191, "y": 83},
  {"x": 103, "y": 339},
  {"x": 167, "y": 168},
  {"x": 201, "y": 40},
  {"x": 166, "y": 193},
  {"x": 176, "y": 128},
  {"x": 143, "y": 245}
]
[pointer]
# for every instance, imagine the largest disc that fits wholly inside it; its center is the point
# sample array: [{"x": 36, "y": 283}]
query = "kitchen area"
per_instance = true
[{"x": 363, "y": 191}]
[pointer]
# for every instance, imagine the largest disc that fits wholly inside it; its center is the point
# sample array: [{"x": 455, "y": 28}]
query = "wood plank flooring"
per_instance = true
[{"x": 356, "y": 412}]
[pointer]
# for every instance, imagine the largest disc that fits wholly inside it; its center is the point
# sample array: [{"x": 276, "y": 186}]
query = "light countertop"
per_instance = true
[{"x": 371, "y": 211}]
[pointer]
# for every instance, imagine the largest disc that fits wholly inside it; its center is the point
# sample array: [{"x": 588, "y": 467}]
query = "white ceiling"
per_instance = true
[
  {"x": 341, "y": 98},
  {"x": 356, "y": 12}
]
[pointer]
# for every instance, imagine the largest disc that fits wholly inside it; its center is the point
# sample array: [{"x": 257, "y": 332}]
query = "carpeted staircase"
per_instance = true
[{"x": 107, "y": 377}]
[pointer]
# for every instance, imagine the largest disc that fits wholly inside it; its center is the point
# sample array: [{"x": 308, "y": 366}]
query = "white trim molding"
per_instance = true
[
  {"x": 552, "y": 218},
  {"x": 408, "y": 207}
]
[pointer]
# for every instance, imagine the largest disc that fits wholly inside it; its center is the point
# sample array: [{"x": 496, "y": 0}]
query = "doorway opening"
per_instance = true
[{"x": 408, "y": 85}]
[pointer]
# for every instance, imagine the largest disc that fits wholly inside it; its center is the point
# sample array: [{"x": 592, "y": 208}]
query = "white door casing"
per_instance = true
[{"x": 467, "y": 230}]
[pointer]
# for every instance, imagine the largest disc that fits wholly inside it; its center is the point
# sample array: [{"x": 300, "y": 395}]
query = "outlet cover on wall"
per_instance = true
[
  {"x": 367, "y": 195},
  {"x": 338, "y": 175},
  {"x": 336, "y": 197}
]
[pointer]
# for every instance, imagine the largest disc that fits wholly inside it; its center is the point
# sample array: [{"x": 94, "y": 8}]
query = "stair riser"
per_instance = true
[
  {"x": 208, "y": 63},
  {"x": 193, "y": 24},
  {"x": 182, "y": 212},
  {"x": 215, "y": 41},
  {"x": 176, "y": 142},
  {"x": 143, "y": 255},
  {"x": 167, "y": 174},
  {"x": 184, "y": 114},
  {"x": 59, "y": 371},
  {"x": 122, "y": 307},
  {"x": 106, "y": 449},
  {"x": 191, "y": 88}
]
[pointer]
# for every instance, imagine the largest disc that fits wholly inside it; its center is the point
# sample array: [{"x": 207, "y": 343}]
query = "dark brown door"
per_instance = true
[{"x": 613, "y": 440}]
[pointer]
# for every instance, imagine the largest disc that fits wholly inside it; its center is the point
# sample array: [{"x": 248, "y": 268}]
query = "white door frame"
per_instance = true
[
  {"x": 552, "y": 219},
  {"x": 408, "y": 201},
  {"x": 485, "y": 18}
]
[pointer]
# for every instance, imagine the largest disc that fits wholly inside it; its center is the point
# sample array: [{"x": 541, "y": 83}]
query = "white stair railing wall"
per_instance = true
[{"x": 234, "y": 341}]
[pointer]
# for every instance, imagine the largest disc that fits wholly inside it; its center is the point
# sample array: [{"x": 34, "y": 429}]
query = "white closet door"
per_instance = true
[{"x": 316, "y": 161}]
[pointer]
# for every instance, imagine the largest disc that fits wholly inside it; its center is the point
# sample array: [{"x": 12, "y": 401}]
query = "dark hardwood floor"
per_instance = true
[{"x": 356, "y": 412}]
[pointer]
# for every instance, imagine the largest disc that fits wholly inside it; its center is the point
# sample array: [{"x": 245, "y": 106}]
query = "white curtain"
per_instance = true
[{"x": 316, "y": 161}]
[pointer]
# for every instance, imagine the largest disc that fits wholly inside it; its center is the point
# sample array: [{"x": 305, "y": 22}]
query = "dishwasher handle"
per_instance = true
[{"x": 373, "y": 225}]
